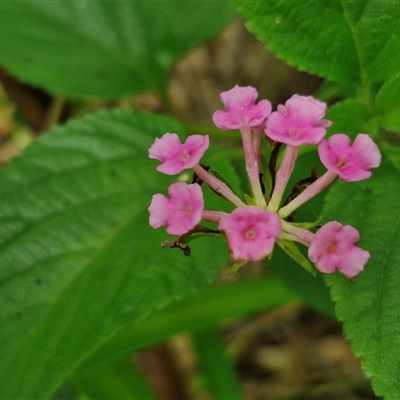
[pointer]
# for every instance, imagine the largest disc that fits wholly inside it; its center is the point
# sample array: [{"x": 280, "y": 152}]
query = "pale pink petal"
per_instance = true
[
  {"x": 181, "y": 212},
  {"x": 176, "y": 156},
  {"x": 349, "y": 162},
  {"x": 354, "y": 261},
  {"x": 239, "y": 97},
  {"x": 299, "y": 122},
  {"x": 333, "y": 248},
  {"x": 159, "y": 210},
  {"x": 366, "y": 151},
  {"x": 195, "y": 147},
  {"x": 241, "y": 110},
  {"x": 301, "y": 106},
  {"x": 251, "y": 232},
  {"x": 162, "y": 148}
]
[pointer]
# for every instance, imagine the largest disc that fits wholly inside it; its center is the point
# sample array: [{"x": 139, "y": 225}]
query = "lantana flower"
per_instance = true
[
  {"x": 179, "y": 213},
  {"x": 251, "y": 232},
  {"x": 242, "y": 113},
  {"x": 333, "y": 248},
  {"x": 241, "y": 110},
  {"x": 299, "y": 122},
  {"x": 349, "y": 162},
  {"x": 259, "y": 221},
  {"x": 176, "y": 156}
]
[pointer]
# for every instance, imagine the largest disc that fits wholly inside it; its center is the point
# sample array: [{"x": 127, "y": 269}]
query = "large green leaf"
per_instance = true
[
  {"x": 344, "y": 41},
  {"x": 387, "y": 104},
  {"x": 77, "y": 257},
  {"x": 214, "y": 304},
  {"x": 370, "y": 306},
  {"x": 103, "y": 48},
  {"x": 351, "y": 117}
]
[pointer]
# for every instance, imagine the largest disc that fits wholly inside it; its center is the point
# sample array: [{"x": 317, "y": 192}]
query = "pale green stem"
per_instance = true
[
  {"x": 252, "y": 165},
  {"x": 282, "y": 176},
  {"x": 311, "y": 191},
  {"x": 218, "y": 186}
]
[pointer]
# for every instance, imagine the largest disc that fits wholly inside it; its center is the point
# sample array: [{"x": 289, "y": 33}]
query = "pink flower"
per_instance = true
[
  {"x": 175, "y": 156},
  {"x": 333, "y": 248},
  {"x": 182, "y": 212},
  {"x": 251, "y": 232},
  {"x": 299, "y": 121},
  {"x": 241, "y": 110},
  {"x": 350, "y": 162}
]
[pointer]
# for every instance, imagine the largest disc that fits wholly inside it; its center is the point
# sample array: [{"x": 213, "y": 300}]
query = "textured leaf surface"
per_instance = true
[
  {"x": 388, "y": 104},
  {"x": 214, "y": 304},
  {"x": 370, "y": 306},
  {"x": 103, "y": 48},
  {"x": 344, "y": 41},
  {"x": 351, "y": 117},
  {"x": 77, "y": 257}
]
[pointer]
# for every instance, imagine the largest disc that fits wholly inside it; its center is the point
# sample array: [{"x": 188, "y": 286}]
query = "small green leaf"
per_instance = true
[
  {"x": 293, "y": 252},
  {"x": 249, "y": 200},
  {"x": 103, "y": 48},
  {"x": 306, "y": 225},
  {"x": 344, "y": 41}
]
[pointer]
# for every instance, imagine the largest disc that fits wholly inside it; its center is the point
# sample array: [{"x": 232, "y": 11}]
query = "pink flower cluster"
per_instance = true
[{"x": 256, "y": 224}]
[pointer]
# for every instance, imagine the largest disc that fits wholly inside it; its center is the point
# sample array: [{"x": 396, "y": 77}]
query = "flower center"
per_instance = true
[
  {"x": 293, "y": 133},
  {"x": 250, "y": 234},
  {"x": 332, "y": 246},
  {"x": 187, "y": 209},
  {"x": 341, "y": 163},
  {"x": 186, "y": 156}
]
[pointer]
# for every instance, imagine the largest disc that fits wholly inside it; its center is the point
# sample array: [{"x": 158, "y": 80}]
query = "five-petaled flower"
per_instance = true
[
  {"x": 250, "y": 232},
  {"x": 258, "y": 221},
  {"x": 299, "y": 121},
  {"x": 333, "y": 248},
  {"x": 241, "y": 110},
  {"x": 181, "y": 212},
  {"x": 349, "y": 162},
  {"x": 175, "y": 156}
]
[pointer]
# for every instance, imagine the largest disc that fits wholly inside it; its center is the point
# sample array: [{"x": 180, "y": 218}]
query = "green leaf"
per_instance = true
[
  {"x": 78, "y": 259},
  {"x": 344, "y": 41},
  {"x": 120, "y": 379},
  {"x": 351, "y": 117},
  {"x": 387, "y": 104},
  {"x": 215, "y": 364},
  {"x": 200, "y": 310},
  {"x": 370, "y": 306},
  {"x": 291, "y": 249},
  {"x": 310, "y": 288},
  {"x": 103, "y": 48}
]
